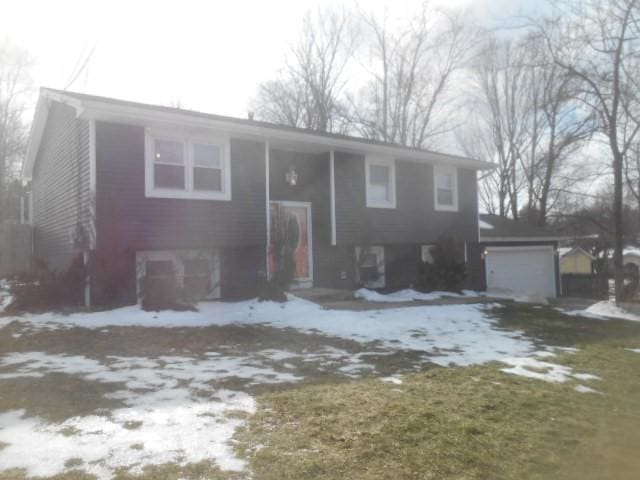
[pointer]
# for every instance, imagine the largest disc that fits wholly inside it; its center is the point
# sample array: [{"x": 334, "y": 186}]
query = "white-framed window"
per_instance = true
[
  {"x": 445, "y": 188},
  {"x": 371, "y": 266},
  {"x": 381, "y": 182},
  {"x": 187, "y": 167},
  {"x": 197, "y": 272}
]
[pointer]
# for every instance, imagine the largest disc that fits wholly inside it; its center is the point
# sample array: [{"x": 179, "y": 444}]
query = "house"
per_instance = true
[
  {"x": 631, "y": 258},
  {"x": 516, "y": 257},
  {"x": 575, "y": 260},
  {"x": 146, "y": 191}
]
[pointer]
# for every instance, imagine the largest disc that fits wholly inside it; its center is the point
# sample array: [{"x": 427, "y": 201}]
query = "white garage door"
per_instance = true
[{"x": 521, "y": 270}]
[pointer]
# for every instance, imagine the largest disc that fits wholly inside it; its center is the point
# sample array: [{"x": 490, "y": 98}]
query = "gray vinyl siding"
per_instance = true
[
  {"x": 128, "y": 219},
  {"x": 414, "y": 220},
  {"x": 60, "y": 185}
]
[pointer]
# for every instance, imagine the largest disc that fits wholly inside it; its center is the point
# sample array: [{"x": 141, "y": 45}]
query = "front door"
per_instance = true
[{"x": 290, "y": 240}]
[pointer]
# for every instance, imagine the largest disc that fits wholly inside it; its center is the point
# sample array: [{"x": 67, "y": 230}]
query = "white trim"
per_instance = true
[
  {"x": 518, "y": 248},
  {"x": 303, "y": 282},
  {"x": 176, "y": 256},
  {"x": 389, "y": 163},
  {"x": 485, "y": 239},
  {"x": 445, "y": 170},
  {"x": 267, "y": 160},
  {"x": 188, "y": 142},
  {"x": 381, "y": 266},
  {"x": 332, "y": 197}
]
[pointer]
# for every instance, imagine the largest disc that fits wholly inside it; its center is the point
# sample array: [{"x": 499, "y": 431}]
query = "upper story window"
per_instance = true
[
  {"x": 445, "y": 188},
  {"x": 182, "y": 167},
  {"x": 381, "y": 182}
]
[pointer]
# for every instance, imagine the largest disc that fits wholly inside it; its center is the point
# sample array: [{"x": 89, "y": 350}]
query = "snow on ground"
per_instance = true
[
  {"x": 603, "y": 311},
  {"x": 170, "y": 414},
  {"x": 406, "y": 295},
  {"x": 532, "y": 367},
  {"x": 585, "y": 389},
  {"x": 5, "y": 296},
  {"x": 458, "y": 334},
  {"x": 636, "y": 350},
  {"x": 610, "y": 309}
]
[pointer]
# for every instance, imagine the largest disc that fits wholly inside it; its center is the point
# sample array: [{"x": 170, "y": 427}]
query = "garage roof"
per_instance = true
[{"x": 494, "y": 228}]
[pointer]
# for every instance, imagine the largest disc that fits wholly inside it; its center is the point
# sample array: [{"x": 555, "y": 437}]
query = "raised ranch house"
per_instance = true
[{"x": 142, "y": 190}]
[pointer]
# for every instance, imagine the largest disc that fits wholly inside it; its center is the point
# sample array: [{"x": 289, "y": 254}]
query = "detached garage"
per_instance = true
[{"x": 518, "y": 258}]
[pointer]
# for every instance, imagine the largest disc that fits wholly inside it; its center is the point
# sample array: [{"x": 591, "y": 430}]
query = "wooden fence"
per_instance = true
[
  {"x": 15, "y": 249},
  {"x": 585, "y": 286}
]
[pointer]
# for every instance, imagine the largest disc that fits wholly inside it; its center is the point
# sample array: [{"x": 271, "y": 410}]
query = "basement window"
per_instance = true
[{"x": 185, "y": 167}]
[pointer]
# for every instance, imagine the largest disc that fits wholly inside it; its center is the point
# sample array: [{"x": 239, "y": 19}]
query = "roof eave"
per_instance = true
[
  {"x": 529, "y": 239},
  {"x": 38, "y": 124},
  {"x": 97, "y": 110}
]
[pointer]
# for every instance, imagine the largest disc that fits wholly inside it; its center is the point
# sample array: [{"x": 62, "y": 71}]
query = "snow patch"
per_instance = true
[
  {"x": 406, "y": 295},
  {"x": 392, "y": 379},
  {"x": 604, "y": 310},
  {"x": 585, "y": 389},
  {"x": 531, "y": 367},
  {"x": 5, "y": 297},
  {"x": 173, "y": 413}
]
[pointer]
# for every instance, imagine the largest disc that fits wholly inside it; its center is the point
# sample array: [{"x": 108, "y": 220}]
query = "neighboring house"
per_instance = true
[
  {"x": 575, "y": 260},
  {"x": 631, "y": 255},
  {"x": 153, "y": 191},
  {"x": 517, "y": 257}
]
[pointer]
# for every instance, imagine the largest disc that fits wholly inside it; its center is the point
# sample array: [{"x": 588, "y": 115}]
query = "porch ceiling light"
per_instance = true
[{"x": 291, "y": 176}]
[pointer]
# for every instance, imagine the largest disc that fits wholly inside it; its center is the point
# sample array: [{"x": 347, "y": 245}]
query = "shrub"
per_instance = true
[
  {"x": 446, "y": 272},
  {"x": 46, "y": 288}
]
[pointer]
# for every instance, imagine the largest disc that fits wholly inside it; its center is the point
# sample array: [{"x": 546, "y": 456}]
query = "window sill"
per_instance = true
[
  {"x": 183, "y": 195},
  {"x": 387, "y": 206},
  {"x": 446, "y": 208}
]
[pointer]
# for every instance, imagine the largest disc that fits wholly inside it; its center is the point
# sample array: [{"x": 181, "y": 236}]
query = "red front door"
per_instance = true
[{"x": 291, "y": 234}]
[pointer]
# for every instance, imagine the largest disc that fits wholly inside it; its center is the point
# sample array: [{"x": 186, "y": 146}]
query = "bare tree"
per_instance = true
[
  {"x": 307, "y": 91},
  {"x": 598, "y": 42},
  {"x": 503, "y": 110},
  {"x": 411, "y": 68},
  {"x": 529, "y": 121},
  {"x": 15, "y": 86}
]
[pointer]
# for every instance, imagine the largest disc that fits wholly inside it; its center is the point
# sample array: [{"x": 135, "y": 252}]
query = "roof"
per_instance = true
[
  {"x": 500, "y": 229},
  {"x": 116, "y": 110},
  {"x": 566, "y": 251},
  {"x": 634, "y": 251}
]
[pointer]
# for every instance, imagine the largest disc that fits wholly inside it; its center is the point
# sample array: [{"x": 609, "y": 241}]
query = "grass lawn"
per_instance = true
[
  {"x": 467, "y": 422},
  {"x": 474, "y": 422}
]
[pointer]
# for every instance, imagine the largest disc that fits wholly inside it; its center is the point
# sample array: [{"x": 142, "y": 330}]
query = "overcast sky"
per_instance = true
[{"x": 209, "y": 55}]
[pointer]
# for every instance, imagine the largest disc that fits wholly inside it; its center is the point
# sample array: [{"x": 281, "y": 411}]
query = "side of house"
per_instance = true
[{"x": 147, "y": 191}]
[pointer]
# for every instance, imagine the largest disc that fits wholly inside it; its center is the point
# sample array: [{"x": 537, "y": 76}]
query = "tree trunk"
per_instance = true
[{"x": 618, "y": 225}]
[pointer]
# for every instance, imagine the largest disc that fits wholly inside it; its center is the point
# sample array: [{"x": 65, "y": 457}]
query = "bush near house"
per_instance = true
[
  {"x": 447, "y": 272},
  {"x": 48, "y": 288}
]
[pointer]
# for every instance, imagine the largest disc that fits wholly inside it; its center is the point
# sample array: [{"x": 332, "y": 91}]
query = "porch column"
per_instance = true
[{"x": 332, "y": 200}]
